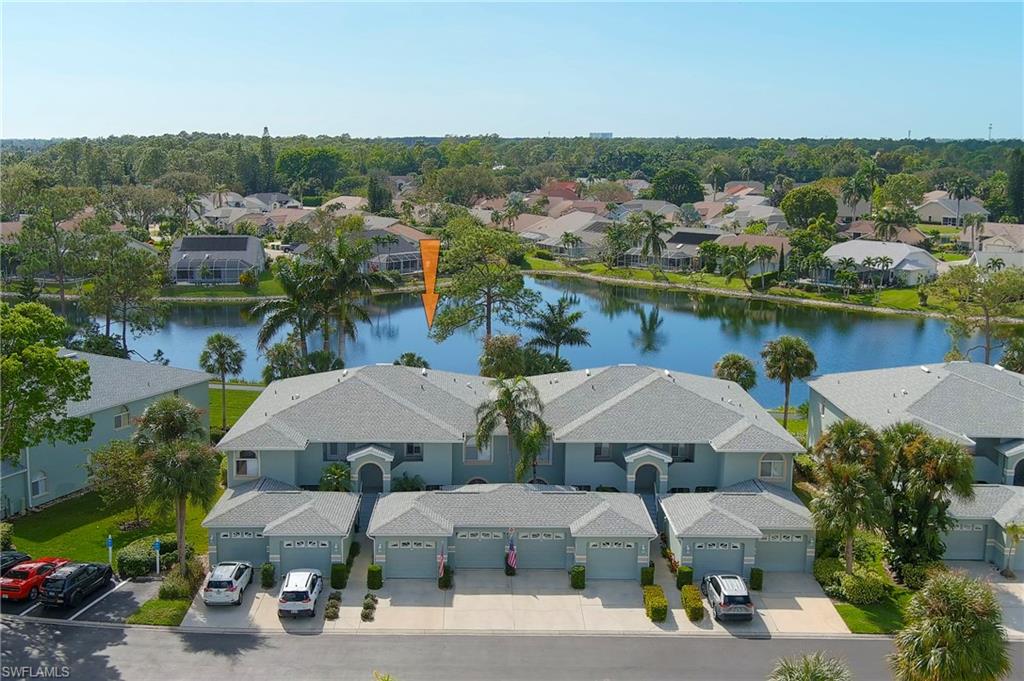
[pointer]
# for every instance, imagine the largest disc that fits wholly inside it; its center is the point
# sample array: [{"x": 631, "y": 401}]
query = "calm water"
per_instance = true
[{"x": 627, "y": 325}]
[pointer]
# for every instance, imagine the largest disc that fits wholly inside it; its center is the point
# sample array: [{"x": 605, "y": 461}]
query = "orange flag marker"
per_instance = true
[{"x": 430, "y": 251}]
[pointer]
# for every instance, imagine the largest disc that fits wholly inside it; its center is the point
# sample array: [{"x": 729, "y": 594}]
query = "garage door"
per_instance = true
[
  {"x": 612, "y": 560},
  {"x": 541, "y": 550},
  {"x": 479, "y": 549},
  {"x": 714, "y": 556},
  {"x": 237, "y": 545},
  {"x": 966, "y": 541},
  {"x": 782, "y": 552},
  {"x": 409, "y": 558},
  {"x": 306, "y": 554}
]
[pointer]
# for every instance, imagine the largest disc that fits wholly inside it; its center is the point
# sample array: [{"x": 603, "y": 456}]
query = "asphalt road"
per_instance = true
[{"x": 119, "y": 653}]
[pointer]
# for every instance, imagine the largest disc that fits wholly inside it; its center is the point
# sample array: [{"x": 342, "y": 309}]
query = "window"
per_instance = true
[
  {"x": 247, "y": 465},
  {"x": 602, "y": 451},
  {"x": 332, "y": 452},
  {"x": 681, "y": 453},
  {"x": 477, "y": 481},
  {"x": 122, "y": 419},
  {"x": 821, "y": 408},
  {"x": 473, "y": 455},
  {"x": 773, "y": 467},
  {"x": 544, "y": 457},
  {"x": 40, "y": 484},
  {"x": 413, "y": 451}
]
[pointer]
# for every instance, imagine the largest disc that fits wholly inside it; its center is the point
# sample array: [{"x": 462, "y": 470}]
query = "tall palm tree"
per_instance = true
[
  {"x": 516, "y": 403},
  {"x": 737, "y": 263},
  {"x": 651, "y": 228},
  {"x": 953, "y": 632},
  {"x": 570, "y": 242},
  {"x": 889, "y": 220},
  {"x": 533, "y": 443},
  {"x": 960, "y": 187},
  {"x": 223, "y": 356},
  {"x": 846, "y": 264},
  {"x": 849, "y": 498},
  {"x": 885, "y": 265},
  {"x": 558, "y": 325},
  {"x": 815, "y": 666},
  {"x": 716, "y": 177},
  {"x": 295, "y": 277},
  {"x": 854, "y": 190},
  {"x": 764, "y": 254},
  {"x": 168, "y": 419},
  {"x": 788, "y": 358},
  {"x": 872, "y": 175},
  {"x": 976, "y": 221},
  {"x": 736, "y": 368}
]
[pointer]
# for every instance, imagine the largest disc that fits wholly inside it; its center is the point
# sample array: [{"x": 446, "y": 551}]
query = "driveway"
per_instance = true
[
  {"x": 112, "y": 603},
  {"x": 1010, "y": 593}
]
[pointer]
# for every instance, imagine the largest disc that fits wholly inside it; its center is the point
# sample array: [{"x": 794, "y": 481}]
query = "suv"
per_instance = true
[
  {"x": 227, "y": 583},
  {"x": 9, "y": 559},
  {"x": 728, "y": 597},
  {"x": 72, "y": 582},
  {"x": 299, "y": 593}
]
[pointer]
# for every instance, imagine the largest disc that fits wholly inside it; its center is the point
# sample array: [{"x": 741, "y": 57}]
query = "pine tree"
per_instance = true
[
  {"x": 1015, "y": 188},
  {"x": 267, "y": 161}
]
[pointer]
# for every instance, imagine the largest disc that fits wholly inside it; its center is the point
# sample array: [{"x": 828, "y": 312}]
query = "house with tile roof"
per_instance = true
[
  {"x": 907, "y": 264},
  {"x": 995, "y": 240},
  {"x": 973, "y": 404},
  {"x": 942, "y": 210},
  {"x": 121, "y": 390}
]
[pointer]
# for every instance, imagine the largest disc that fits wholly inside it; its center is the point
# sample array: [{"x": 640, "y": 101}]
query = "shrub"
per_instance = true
[
  {"x": 862, "y": 588},
  {"x": 408, "y": 484},
  {"x": 646, "y": 576},
  {"x": 176, "y": 586},
  {"x": 335, "y": 596},
  {"x": 756, "y": 579},
  {"x": 248, "y": 279},
  {"x": 828, "y": 570},
  {"x": 312, "y": 201},
  {"x": 541, "y": 254},
  {"x": 445, "y": 580},
  {"x": 692, "y": 603},
  {"x": 578, "y": 577},
  {"x": 665, "y": 551},
  {"x": 374, "y": 577},
  {"x": 6, "y": 536},
  {"x": 655, "y": 603},
  {"x": 804, "y": 466},
  {"x": 369, "y": 603},
  {"x": 684, "y": 576},
  {"x": 366, "y": 615},
  {"x": 914, "y": 575},
  {"x": 353, "y": 551},
  {"x": 372, "y": 596},
  {"x": 332, "y": 609},
  {"x": 267, "y": 575},
  {"x": 139, "y": 558},
  {"x": 339, "y": 576}
]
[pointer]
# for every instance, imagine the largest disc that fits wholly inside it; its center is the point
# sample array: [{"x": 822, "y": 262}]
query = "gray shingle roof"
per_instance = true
[
  {"x": 742, "y": 511},
  {"x": 624, "y": 403},
  {"x": 956, "y": 400},
  {"x": 283, "y": 510},
  {"x": 585, "y": 514},
  {"x": 117, "y": 381},
  {"x": 1002, "y": 503}
]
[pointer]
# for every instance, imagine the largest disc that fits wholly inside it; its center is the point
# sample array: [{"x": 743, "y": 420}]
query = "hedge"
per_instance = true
[
  {"x": 646, "y": 576},
  {"x": 339, "y": 575},
  {"x": 655, "y": 603},
  {"x": 139, "y": 558},
  {"x": 862, "y": 588},
  {"x": 914, "y": 575},
  {"x": 353, "y": 551},
  {"x": 445, "y": 580},
  {"x": 684, "y": 576},
  {"x": 578, "y": 577},
  {"x": 267, "y": 575},
  {"x": 828, "y": 570},
  {"x": 374, "y": 577},
  {"x": 692, "y": 603},
  {"x": 177, "y": 586},
  {"x": 312, "y": 201},
  {"x": 756, "y": 579},
  {"x": 6, "y": 536}
]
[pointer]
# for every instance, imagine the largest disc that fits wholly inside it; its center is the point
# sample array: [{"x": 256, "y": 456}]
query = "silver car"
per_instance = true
[
  {"x": 226, "y": 584},
  {"x": 299, "y": 593},
  {"x": 728, "y": 597}
]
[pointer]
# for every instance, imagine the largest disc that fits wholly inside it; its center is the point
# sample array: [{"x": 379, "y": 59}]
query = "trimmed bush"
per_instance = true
[
  {"x": 578, "y": 577},
  {"x": 335, "y": 596},
  {"x": 267, "y": 575},
  {"x": 353, "y": 551},
  {"x": 827, "y": 571},
  {"x": 312, "y": 201},
  {"x": 366, "y": 615},
  {"x": 655, "y": 603},
  {"x": 862, "y": 588},
  {"x": 178, "y": 587},
  {"x": 369, "y": 603},
  {"x": 692, "y": 603},
  {"x": 372, "y": 596},
  {"x": 684, "y": 576},
  {"x": 646, "y": 576},
  {"x": 541, "y": 254},
  {"x": 6, "y": 536},
  {"x": 332, "y": 609},
  {"x": 445, "y": 580},
  {"x": 374, "y": 577},
  {"x": 339, "y": 576},
  {"x": 914, "y": 575},
  {"x": 756, "y": 579},
  {"x": 139, "y": 558}
]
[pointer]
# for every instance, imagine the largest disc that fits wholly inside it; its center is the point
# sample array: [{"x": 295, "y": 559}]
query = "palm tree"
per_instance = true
[
  {"x": 960, "y": 187},
  {"x": 785, "y": 359},
  {"x": 516, "y": 403},
  {"x": 295, "y": 277},
  {"x": 736, "y": 368},
  {"x": 817, "y": 263},
  {"x": 884, "y": 263},
  {"x": 854, "y": 190},
  {"x": 716, "y": 177},
  {"x": 976, "y": 221},
  {"x": 223, "y": 356},
  {"x": 812, "y": 667},
  {"x": 336, "y": 478},
  {"x": 558, "y": 325},
  {"x": 847, "y": 280},
  {"x": 320, "y": 361},
  {"x": 411, "y": 359},
  {"x": 737, "y": 263},
  {"x": 995, "y": 264},
  {"x": 889, "y": 220},
  {"x": 533, "y": 443},
  {"x": 872, "y": 175},
  {"x": 166, "y": 420},
  {"x": 1014, "y": 535},
  {"x": 183, "y": 471},
  {"x": 953, "y": 632},
  {"x": 570, "y": 242},
  {"x": 651, "y": 226},
  {"x": 846, "y": 264},
  {"x": 764, "y": 254}
]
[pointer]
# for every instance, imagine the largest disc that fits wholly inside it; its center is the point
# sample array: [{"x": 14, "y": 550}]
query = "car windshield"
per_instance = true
[
  {"x": 219, "y": 583},
  {"x": 56, "y": 583},
  {"x": 294, "y": 596},
  {"x": 737, "y": 600},
  {"x": 17, "y": 574}
]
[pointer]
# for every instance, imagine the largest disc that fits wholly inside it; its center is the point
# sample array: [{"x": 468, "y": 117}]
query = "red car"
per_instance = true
[{"x": 23, "y": 580}]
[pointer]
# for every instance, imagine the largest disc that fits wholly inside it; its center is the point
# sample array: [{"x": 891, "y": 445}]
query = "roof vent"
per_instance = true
[
  {"x": 344, "y": 372},
  {"x": 667, "y": 373},
  {"x": 588, "y": 372},
  {"x": 904, "y": 391},
  {"x": 423, "y": 371},
  {"x": 925, "y": 369},
  {"x": 998, "y": 367},
  {"x": 295, "y": 397}
]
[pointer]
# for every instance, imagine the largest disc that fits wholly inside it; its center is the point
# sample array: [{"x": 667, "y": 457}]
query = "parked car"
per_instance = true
[
  {"x": 226, "y": 584},
  {"x": 299, "y": 593},
  {"x": 24, "y": 579},
  {"x": 728, "y": 597},
  {"x": 70, "y": 583},
  {"x": 9, "y": 559}
]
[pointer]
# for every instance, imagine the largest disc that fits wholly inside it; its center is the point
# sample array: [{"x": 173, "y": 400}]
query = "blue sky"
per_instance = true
[{"x": 762, "y": 70}]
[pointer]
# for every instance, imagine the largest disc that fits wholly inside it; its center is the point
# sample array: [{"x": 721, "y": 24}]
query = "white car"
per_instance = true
[
  {"x": 226, "y": 584},
  {"x": 299, "y": 593}
]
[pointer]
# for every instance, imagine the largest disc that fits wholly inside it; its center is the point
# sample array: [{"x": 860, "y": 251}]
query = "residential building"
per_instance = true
[
  {"x": 548, "y": 234},
  {"x": 973, "y": 404},
  {"x": 909, "y": 266},
  {"x": 667, "y": 210},
  {"x": 396, "y": 247},
  {"x": 475, "y": 526},
  {"x": 943, "y": 210},
  {"x": 995, "y": 241},
  {"x": 743, "y": 526},
  {"x": 845, "y": 213},
  {"x": 121, "y": 390},
  {"x": 215, "y": 259},
  {"x": 865, "y": 229},
  {"x": 779, "y": 244},
  {"x": 682, "y": 250},
  {"x": 268, "y": 201},
  {"x": 635, "y": 186},
  {"x": 748, "y": 209},
  {"x": 346, "y": 203},
  {"x": 979, "y": 528}
]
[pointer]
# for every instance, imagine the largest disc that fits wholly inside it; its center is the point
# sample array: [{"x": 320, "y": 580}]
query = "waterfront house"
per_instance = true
[
  {"x": 997, "y": 241},
  {"x": 215, "y": 259},
  {"x": 681, "y": 253},
  {"x": 909, "y": 265},
  {"x": 779, "y": 244},
  {"x": 865, "y": 229}
]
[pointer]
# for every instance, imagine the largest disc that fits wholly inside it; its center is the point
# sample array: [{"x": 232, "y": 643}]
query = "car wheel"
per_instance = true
[
  {"x": 33, "y": 594},
  {"x": 704, "y": 589},
  {"x": 75, "y": 599},
  {"x": 718, "y": 615}
]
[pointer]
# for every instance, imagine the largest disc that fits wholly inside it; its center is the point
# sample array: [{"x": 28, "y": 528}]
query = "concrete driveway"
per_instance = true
[{"x": 1010, "y": 593}]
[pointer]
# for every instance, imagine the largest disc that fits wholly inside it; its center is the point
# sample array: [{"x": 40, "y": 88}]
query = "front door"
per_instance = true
[
  {"x": 371, "y": 479},
  {"x": 646, "y": 480}
]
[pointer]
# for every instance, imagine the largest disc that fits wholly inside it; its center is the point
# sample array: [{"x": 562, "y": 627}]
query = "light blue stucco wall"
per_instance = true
[
  {"x": 435, "y": 469},
  {"x": 821, "y": 415},
  {"x": 703, "y": 471},
  {"x": 581, "y": 469},
  {"x": 739, "y": 466}
]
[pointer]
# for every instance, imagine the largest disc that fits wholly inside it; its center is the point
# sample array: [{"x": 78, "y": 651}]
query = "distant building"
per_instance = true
[
  {"x": 943, "y": 210},
  {"x": 215, "y": 259},
  {"x": 910, "y": 264},
  {"x": 600, "y": 135}
]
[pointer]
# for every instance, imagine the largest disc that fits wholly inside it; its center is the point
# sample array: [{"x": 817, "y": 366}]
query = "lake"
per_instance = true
[{"x": 678, "y": 331}]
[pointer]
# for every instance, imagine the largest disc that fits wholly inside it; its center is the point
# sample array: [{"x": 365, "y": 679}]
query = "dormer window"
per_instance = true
[{"x": 772, "y": 467}]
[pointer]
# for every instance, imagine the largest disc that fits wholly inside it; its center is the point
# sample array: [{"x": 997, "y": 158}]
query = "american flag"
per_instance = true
[
  {"x": 440, "y": 564},
  {"x": 512, "y": 559}
]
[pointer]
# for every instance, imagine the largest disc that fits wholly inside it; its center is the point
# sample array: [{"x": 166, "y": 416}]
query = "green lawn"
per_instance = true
[
  {"x": 268, "y": 286},
  {"x": 78, "y": 529},
  {"x": 951, "y": 257},
  {"x": 238, "y": 401},
  {"x": 160, "y": 612},
  {"x": 533, "y": 263},
  {"x": 881, "y": 618}
]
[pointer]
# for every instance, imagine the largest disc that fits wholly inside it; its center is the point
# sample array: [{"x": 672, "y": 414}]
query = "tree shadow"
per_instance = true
[{"x": 60, "y": 652}]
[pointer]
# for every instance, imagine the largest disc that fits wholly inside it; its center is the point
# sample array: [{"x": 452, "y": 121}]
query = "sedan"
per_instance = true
[
  {"x": 23, "y": 580},
  {"x": 9, "y": 559}
]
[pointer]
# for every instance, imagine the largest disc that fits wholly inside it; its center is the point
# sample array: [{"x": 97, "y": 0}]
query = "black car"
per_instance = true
[
  {"x": 9, "y": 559},
  {"x": 70, "y": 583}
]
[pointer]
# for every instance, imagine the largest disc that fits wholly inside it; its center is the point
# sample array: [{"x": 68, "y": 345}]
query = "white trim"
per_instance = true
[
  {"x": 647, "y": 451},
  {"x": 370, "y": 450}
]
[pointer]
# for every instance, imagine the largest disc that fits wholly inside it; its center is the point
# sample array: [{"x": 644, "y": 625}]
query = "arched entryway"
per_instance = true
[
  {"x": 646, "y": 479},
  {"x": 371, "y": 478},
  {"x": 1018, "y": 474}
]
